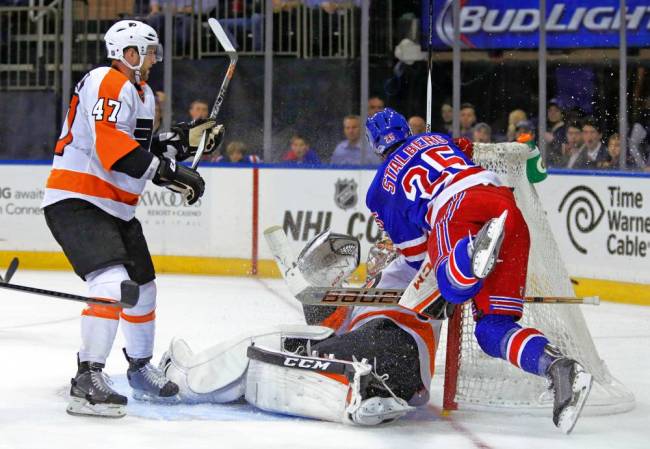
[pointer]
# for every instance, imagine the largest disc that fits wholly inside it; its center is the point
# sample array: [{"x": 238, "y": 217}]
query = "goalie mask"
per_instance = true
[{"x": 329, "y": 258}]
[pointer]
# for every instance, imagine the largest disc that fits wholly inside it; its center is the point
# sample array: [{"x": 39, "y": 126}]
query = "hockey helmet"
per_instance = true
[
  {"x": 132, "y": 33},
  {"x": 385, "y": 129}
]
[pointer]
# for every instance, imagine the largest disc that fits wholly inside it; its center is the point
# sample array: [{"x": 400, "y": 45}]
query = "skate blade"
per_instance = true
[
  {"x": 581, "y": 388},
  {"x": 81, "y": 407},
  {"x": 484, "y": 259},
  {"x": 143, "y": 396}
]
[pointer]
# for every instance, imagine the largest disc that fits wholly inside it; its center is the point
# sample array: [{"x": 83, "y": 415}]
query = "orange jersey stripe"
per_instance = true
[
  {"x": 72, "y": 113},
  {"x": 340, "y": 378},
  {"x": 139, "y": 318},
  {"x": 422, "y": 328},
  {"x": 88, "y": 184},
  {"x": 112, "y": 144},
  {"x": 98, "y": 311},
  {"x": 336, "y": 319}
]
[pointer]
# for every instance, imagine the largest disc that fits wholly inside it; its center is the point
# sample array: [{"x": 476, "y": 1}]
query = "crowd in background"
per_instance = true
[{"x": 573, "y": 140}]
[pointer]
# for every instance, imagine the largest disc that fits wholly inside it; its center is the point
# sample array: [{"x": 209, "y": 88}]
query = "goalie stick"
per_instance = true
[
  {"x": 420, "y": 294},
  {"x": 218, "y": 31},
  {"x": 129, "y": 291}
]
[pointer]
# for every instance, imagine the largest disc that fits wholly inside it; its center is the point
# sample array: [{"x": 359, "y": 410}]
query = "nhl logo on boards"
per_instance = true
[{"x": 345, "y": 193}]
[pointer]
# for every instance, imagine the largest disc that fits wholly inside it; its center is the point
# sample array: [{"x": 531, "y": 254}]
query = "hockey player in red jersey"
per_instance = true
[
  {"x": 102, "y": 162},
  {"x": 437, "y": 205}
]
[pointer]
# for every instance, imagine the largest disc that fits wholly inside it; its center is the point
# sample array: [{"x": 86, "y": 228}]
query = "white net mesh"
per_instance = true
[{"x": 485, "y": 382}]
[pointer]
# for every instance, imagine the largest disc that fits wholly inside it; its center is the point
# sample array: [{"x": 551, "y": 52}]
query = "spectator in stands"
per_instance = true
[
  {"x": 236, "y": 153},
  {"x": 331, "y": 6},
  {"x": 417, "y": 125},
  {"x": 183, "y": 16},
  {"x": 637, "y": 143},
  {"x": 514, "y": 117},
  {"x": 482, "y": 133},
  {"x": 524, "y": 131},
  {"x": 555, "y": 136},
  {"x": 573, "y": 137},
  {"x": 467, "y": 120},
  {"x": 348, "y": 152},
  {"x": 198, "y": 109},
  {"x": 614, "y": 152},
  {"x": 375, "y": 104},
  {"x": 447, "y": 116},
  {"x": 300, "y": 153},
  {"x": 593, "y": 151}
]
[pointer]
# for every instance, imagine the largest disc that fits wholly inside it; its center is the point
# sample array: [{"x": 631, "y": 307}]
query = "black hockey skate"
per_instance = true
[
  {"x": 91, "y": 394},
  {"x": 149, "y": 383},
  {"x": 571, "y": 385}
]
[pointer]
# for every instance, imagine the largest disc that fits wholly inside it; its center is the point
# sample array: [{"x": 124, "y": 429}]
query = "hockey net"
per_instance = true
[{"x": 474, "y": 380}]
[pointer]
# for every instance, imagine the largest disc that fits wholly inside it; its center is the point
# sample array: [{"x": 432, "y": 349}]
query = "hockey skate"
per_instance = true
[
  {"x": 571, "y": 385},
  {"x": 148, "y": 382},
  {"x": 484, "y": 247},
  {"x": 378, "y": 410},
  {"x": 91, "y": 394}
]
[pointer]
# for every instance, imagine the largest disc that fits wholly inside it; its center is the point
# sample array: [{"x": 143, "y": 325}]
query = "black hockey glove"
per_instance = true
[
  {"x": 440, "y": 309},
  {"x": 184, "y": 138},
  {"x": 180, "y": 179}
]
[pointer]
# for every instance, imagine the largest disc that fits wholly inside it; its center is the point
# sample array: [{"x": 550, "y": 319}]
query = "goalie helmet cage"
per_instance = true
[{"x": 474, "y": 380}]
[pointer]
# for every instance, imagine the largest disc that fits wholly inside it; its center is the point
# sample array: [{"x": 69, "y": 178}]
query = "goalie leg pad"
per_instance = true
[
  {"x": 312, "y": 387},
  {"x": 216, "y": 375}
]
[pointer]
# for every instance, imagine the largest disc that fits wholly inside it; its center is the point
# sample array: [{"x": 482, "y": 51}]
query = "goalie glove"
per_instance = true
[
  {"x": 184, "y": 138},
  {"x": 180, "y": 179}
]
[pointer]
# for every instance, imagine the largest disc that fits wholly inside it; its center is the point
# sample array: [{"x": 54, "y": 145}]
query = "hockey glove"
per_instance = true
[
  {"x": 465, "y": 145},
  {"x": 184, "y": 138},
  {"x": 180, "y": 179},
  {"x": 440, "y": 309}
]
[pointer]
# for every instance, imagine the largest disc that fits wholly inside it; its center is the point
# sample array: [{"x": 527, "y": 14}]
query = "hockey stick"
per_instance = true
[
  {"x": 129, "y": 294},
  {"x": 390, "y": 297},
  {"x": 232, "y": 55},
  {"x": 13, "y": 266},
  {"x": 421, "y": 292},
  {"x": 429, "y": 56}
]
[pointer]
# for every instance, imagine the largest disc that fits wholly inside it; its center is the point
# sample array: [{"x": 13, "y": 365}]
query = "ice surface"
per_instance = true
[{"x": 39, "y": 339}]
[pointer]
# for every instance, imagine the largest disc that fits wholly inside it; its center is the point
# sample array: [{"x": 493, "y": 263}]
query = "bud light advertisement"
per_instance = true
[{"x": 504, "y": 24}]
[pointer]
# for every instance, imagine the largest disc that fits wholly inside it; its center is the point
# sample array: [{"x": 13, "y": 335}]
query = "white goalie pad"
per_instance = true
[
  {"x": 318, "y": 388},
  {"x": 218, "y": 374}
]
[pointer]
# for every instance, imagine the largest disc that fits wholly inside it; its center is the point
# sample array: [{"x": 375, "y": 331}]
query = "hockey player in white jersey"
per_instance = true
[
  {"x": 357, "y": 365},
  {"x": 102, "y": 162}
]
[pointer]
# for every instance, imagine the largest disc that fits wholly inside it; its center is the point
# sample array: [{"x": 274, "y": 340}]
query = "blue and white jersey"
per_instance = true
[{"x": 414, "y": 182}]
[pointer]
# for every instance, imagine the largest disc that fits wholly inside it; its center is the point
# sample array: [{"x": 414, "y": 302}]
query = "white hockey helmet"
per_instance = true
[{"x": 131, "y": 33}]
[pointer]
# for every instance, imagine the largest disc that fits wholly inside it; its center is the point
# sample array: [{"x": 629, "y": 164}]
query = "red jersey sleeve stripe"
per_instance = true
[
  {"x": 414, "y": 250},
  {"x": 112, "y": 144}
]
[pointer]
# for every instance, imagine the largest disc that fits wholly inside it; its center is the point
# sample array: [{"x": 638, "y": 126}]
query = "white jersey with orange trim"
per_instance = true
[
  {"x": 425, "y": 332},
  {"x": 109, "y": 117}
]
